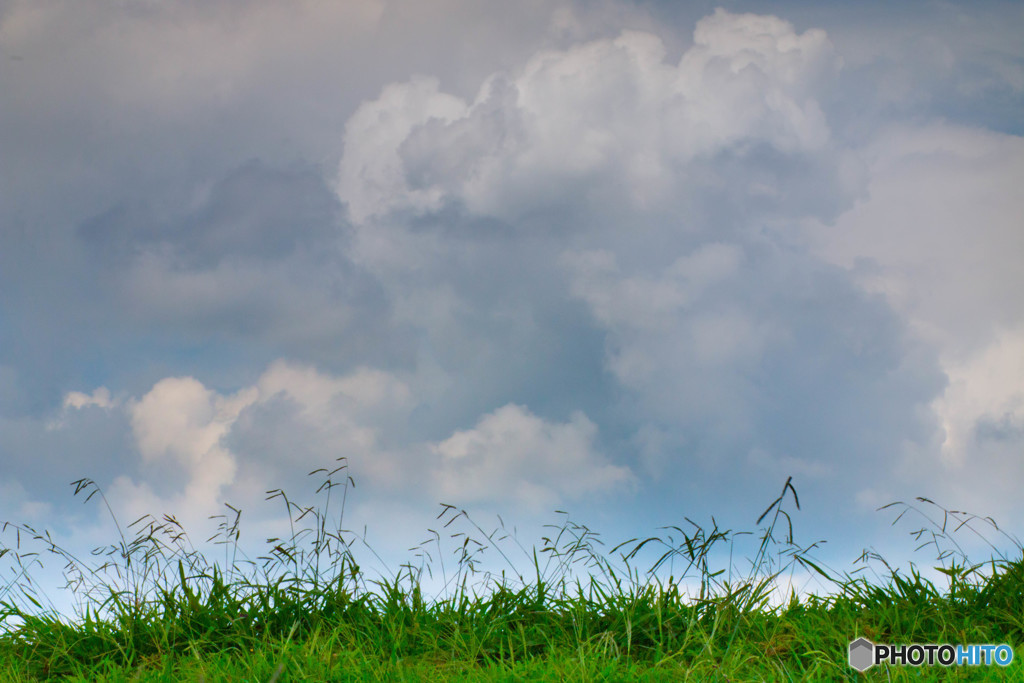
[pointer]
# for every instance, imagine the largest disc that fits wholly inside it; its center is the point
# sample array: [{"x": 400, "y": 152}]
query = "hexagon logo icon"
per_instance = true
[{"x": 862, "y": 654}]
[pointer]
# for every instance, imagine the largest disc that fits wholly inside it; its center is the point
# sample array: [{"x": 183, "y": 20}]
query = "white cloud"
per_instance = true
[
  {"x": 363, "y": 389},
  {"x": 939, "y": 231},
  {"x": 677, "y": 329},
  {"x": 566, "y": 118},
  {"x": 371, "y": 168},
  {"x": 939, "y": 236},
  {"x": 100, "y": 398},
  {"x": 646, "y": 302},
  {"x": 984, "y": 392},
  {"x": 294, "y": 419},
  {"x": 514, "y": 456},
  {"x": 77, "y": 400},
  {"x": 183, "y": 424},
  {"x": 670, "y": 189},
  {"x": 315, "y": 417},
  {"x": 181, "y": 421}
]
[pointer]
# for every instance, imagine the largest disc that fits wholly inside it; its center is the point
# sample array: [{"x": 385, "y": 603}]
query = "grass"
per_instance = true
[{"x": 151, "y": 607}]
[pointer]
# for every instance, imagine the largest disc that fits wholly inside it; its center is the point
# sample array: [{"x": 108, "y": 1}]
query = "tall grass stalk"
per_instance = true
[{"x": 152, "y": 606}]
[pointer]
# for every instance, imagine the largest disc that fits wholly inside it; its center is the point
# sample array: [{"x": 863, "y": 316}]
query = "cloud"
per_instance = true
[
  {"x": 199, "y": 441},
  {"x": 305, "y": 419},
  {"x": 372, "y": 167},
  {"x": 100, "y": 398},
  {"x": 200, "y": 448},
  {"x": 732, "y": 352},
  {"x": 513, "y": 455},
  {"x": 160, "y": 99},
  {"x": 77, "y": 400},
  {"x": 190, "y": 140},
  {"x": 983, "y": 407},
  {"x": 645, "y": 301},
  {"x": 182, "y": 423},
  {"x": 259, "y": 258},
  {"x": 664, "y": 197},
  {"x": 515, "y": 254},
  {"x": 610, "y": 108},
  {"x": 938, "y": 237},
  {"x": 938, "y": 232}
]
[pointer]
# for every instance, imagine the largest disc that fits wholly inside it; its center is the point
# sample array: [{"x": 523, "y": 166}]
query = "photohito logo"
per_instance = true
[{"x": 864, "y": 654}]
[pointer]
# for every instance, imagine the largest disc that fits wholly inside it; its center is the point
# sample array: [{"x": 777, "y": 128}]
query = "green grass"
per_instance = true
[{"x": 649, "y": 609}]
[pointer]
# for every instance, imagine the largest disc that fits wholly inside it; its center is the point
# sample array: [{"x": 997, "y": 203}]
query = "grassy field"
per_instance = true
[{"x": 649, "y": 609}]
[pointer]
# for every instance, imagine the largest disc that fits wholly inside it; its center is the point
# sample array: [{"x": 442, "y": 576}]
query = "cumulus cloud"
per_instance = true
[
  {"x": 372, "y": 168},
  {"x": 77, "y": 400},
  {"x": 738, "y": 352},
  {"x": 201, "y": 438},
  {"x": 938, "y": 232},
  {"x": 305, "y": 419},
  {"x": 984, "y": 403},
  {"x": 671, "y": 193},
  {"x": 200, "y": 448},
  {"x": 100, "y": 398},
  {"x": 649, "y": 302},
  {"x": 567, "y": 118},
  {"x": 181, "y": 421},
  {"x": 938, "y": 235},
  {"x": 513, "y": 455}
]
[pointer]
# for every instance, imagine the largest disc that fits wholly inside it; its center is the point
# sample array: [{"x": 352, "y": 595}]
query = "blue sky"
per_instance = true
[{"x": 634, "y": 260}]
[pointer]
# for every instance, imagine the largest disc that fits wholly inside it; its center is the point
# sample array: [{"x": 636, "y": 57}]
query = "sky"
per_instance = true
[{"x": 639, "y": 261}]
